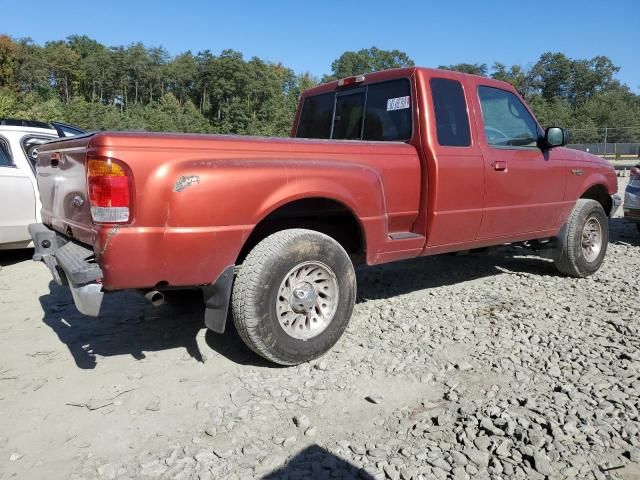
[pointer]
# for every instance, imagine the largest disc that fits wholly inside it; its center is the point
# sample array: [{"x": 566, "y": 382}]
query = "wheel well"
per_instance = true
[
  {"x": 600, "y": 194},
  {"x": 320, "y": 214}
]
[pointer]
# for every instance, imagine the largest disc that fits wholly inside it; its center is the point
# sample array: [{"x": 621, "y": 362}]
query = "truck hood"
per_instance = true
[{"x": 584, "y": 157}]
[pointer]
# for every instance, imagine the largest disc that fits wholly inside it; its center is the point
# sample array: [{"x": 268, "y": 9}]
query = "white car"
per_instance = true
[{"x": 19, "y": 198}]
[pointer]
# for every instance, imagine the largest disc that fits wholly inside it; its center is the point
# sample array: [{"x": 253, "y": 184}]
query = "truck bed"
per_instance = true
[{"x": 186, "y": 190}]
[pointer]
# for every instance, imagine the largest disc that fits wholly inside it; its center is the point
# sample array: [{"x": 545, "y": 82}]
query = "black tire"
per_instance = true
[
  {"x": 257, "y": 291},
  {"x": 570, "y": 256},
  {"x": 638, "y": 227}
]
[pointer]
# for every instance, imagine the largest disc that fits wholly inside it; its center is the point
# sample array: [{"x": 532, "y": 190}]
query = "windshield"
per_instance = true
[{"x": 65, "y": 130}]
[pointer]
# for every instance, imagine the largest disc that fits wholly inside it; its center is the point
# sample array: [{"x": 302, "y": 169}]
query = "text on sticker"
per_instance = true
[{"x": 398, "y": 103}]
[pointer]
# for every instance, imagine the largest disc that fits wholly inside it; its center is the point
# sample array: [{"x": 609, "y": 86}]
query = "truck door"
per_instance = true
[
  {"x": 17, "y": 199},
  {"x": 456, "y": 176},
  {"x": 523, "y": 185}
]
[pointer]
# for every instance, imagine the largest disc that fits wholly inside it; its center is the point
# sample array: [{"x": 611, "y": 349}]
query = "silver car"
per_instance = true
[{"x": 632, "y": 197}]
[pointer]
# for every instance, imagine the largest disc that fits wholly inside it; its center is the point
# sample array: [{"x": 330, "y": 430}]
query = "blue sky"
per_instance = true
[{"x": 306, "y": 39}]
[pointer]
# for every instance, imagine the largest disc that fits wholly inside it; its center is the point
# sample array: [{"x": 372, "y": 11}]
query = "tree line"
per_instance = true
[{"x": 136, "y": 87}]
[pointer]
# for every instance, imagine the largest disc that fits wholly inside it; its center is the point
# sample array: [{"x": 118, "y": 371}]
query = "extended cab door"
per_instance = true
[
  {"x": 523, "y": 185},
  {"x": 17, "y": 199},
  {"x": 456, "y": 174}
]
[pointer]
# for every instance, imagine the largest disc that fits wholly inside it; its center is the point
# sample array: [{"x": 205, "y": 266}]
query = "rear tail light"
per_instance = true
[{"x": 109, "y": 190}]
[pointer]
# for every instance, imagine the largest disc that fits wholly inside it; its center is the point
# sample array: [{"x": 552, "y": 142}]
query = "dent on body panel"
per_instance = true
[{"x": 111, "y": 232}]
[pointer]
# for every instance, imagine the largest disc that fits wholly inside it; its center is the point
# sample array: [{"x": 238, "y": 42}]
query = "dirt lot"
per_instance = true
[{"x": 452, "y": 367}]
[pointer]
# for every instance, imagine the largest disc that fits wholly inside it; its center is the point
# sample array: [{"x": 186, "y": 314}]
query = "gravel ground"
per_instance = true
[{"x": 453, "y": 367}]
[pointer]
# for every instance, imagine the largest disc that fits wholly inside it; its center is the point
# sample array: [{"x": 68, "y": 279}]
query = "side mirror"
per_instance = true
[{"x": 555, "y": 137}]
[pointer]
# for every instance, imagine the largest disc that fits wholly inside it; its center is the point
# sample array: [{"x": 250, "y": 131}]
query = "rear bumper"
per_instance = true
[{"x": 70, "y": 264}]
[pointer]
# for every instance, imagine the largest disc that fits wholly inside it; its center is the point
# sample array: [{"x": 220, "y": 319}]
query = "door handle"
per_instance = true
[{"x": 499, "y": 165}]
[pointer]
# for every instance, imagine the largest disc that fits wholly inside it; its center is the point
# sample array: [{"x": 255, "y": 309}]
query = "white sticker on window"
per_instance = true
[{"x": 398, "y": 103}]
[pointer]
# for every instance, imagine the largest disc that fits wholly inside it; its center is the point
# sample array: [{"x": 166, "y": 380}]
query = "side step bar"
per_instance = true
[{"x": 404, "y": 236}]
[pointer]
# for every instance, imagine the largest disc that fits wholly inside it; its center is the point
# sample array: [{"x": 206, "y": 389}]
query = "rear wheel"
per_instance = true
[
  {"x": 583, "y": 240},
  {"x": 293, "y": 296}
]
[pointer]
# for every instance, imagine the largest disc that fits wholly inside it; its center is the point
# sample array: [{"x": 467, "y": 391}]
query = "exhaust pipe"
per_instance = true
[{"x": 155, "y": 297}]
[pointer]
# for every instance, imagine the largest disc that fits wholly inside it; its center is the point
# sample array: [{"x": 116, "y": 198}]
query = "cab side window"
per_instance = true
[
  {"x": 450, "y": 106},
  {"x": 507, "y": 122},
  {"x": 5, "y": 155}
]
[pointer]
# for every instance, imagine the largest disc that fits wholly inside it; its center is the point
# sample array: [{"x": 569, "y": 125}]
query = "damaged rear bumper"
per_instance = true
[{"x": 71, "y": 264}]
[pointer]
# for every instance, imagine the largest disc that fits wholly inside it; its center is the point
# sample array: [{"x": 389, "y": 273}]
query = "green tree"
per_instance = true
[
  {"x": 515, "y": 75},
  {"x": 181, "y": 75},
  {"x": 64, "y": 68},
  {"x": 8, "y": 102},
  {"x": 366, "y": 60},
  {"x": 552, "y": 75},
  {"x": 157, "y": 73},
  {"x": 472, "y": 68},
  {"x": 94, "y": 63},
  {"x": 137, "y": 63},
  {"x": 31, "y": 71},
  {"x": 8, "y": 50}
]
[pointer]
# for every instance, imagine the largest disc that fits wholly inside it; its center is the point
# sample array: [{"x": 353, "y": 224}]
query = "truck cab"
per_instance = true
[{"x": 488, "y": 173}]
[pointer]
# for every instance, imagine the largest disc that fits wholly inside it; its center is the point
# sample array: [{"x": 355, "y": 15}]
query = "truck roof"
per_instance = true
[{"x": 405, "y": 72}]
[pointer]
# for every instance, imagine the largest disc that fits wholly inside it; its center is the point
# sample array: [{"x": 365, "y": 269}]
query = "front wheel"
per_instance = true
[
  {"x": 293, "y": 296},
  {"x": 583, "y": 240}
]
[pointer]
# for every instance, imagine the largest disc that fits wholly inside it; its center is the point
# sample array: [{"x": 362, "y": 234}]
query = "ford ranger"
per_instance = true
[{"x": 380, "y": 167}]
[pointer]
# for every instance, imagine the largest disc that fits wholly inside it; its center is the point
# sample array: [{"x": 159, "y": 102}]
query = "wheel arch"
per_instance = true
[
  {"x": 326, "y": 214},
  {"x": 600, "y": 194}
]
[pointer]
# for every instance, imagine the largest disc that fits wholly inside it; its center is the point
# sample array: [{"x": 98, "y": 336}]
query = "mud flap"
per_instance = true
[
  {"x": 216, "y": 300},
  {"x": 87, "y": 298}
]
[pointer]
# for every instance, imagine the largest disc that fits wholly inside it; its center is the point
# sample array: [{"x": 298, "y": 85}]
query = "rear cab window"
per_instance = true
[
  {"x": 378, "y": 111},
  {"x": 316, "y": 117}
]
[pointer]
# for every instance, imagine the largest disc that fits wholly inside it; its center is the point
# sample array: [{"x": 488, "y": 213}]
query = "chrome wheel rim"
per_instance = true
[
  {"x": 307, "y": 300},
  {"x": 591, "y": 239}
]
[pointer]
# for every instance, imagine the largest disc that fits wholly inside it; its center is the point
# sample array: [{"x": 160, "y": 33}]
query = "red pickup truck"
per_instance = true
[{"x": 380, "y": 167}]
